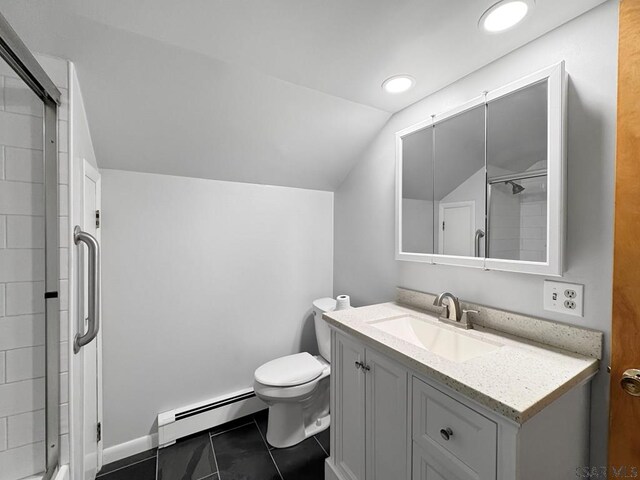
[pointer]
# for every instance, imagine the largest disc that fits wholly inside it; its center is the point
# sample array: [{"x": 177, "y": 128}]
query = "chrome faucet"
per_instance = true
[{"x": 452, "y": 313}]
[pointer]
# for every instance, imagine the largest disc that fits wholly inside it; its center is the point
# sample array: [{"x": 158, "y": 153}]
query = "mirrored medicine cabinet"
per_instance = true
[{"x": 482, "y": 185}]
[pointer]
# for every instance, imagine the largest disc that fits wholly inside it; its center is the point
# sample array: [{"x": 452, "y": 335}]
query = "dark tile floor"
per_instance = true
[{"x": 234, "y": 451}]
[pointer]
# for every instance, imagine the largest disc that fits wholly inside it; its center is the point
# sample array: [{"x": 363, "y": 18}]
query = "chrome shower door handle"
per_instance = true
[
  {"x": 479, "y": 235},
  {"x": 93, "y": 303}
]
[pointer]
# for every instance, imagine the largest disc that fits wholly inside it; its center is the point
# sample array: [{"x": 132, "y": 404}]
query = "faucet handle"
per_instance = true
[{"x": 465, "y": 320}]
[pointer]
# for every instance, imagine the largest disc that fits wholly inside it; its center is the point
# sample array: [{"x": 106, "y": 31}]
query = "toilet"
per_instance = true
[{"x": 296, "y": 387}]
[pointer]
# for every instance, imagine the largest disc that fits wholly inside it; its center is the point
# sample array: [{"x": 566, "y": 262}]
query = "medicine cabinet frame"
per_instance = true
[{"x": 555, "y": 78}]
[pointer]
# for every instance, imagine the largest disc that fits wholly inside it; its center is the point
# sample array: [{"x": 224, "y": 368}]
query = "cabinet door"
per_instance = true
[
  {"x": 349, "y": 411},
  {"x": 386, "y": 427},
  {"x": 428, "y": 467}
]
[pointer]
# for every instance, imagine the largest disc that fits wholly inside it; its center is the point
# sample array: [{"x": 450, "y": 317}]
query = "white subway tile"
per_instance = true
[
  {"x": 63, "y": 108},
  {"x": 24, "y": 165},
  {"x": 25, "y": 363},
  {"x": 64, "y": 418},
  {"x": 3, "y": 231},
  {"x": 18, "y": 198},
  {"x": 64, "y": 295},
  {"x": 22, "y": 331},
  {"x": 63, "y": 200},
  {"x": 25, "y": 231},
  {"x": 19, "y": 98},
  {"x": 64, "y": 326},
  {"x": 532, "y": 256},
  {"x": 534, "y": 233},
  {"x": 2, "y": 82},
  {"x": 64, "y": 357},
  {"x": 529, "y": 244},
  {"x": 17, "y": 265},
  {"x": 63, "y": 232},
  {"x": 63, "y": 137},
  {"x": 26, "y": 428},
  {"x": 21, "y": 397},
  {"x": 3, "y": 434},
  {"x": 2, "y": 300},
  {"x": 63, "y": 272},
  {"x": 22, "y": 461},
  {"x": 1, "y": 161},
  {"x": 64, "y": 387},
  {"x": 6, "y": 70},
  {"x": 64, "y": 448},
  {"x": 2, "y": 367},
  {"x": 20, "y": 130},
  {"x": 24, "y": 297},
  {"x": 533, "y": 221},
  {"x": 63, "y": 168}
]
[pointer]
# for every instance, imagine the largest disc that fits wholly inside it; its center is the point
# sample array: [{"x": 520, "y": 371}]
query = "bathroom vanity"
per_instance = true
[{"x": 413, "y": 398}]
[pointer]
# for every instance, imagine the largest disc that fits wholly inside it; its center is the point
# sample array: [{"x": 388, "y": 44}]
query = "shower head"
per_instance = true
[{"x": 516, "y": 188}]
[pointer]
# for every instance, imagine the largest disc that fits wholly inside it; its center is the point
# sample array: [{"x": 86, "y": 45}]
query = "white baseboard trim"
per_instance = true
[
  {"x": 330, "y": 471},
  {"x": 126, "y": 449}
]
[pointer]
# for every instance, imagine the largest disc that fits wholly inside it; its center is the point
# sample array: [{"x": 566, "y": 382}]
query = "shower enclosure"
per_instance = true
[{"x": 29, "y": 265}]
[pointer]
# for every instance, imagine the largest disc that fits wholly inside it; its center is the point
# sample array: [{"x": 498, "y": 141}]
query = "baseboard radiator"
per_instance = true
[{"x": 197, "y": 417}]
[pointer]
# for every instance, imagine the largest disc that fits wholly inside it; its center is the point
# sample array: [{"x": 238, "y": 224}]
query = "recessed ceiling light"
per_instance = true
[
  {"x": 504, "y": 15},
  {"x": 398, "y": 83}
]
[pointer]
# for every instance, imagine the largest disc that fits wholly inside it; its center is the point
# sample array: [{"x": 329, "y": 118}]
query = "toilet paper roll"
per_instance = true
[{"x": 343, "y": 302}]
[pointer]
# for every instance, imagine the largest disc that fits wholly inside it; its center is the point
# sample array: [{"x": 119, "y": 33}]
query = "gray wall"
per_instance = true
[
  {"x": 192, "y": 269},
  {"x": 364, "y": 204}
]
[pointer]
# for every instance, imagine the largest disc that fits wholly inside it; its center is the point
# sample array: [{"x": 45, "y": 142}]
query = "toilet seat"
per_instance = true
[{"x": 289, "y": 371}]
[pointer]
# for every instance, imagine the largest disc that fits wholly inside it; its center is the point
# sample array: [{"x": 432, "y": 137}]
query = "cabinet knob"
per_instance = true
[
  {"x": 366, "y": 368},
  {"x": 359, "y": 365},
  {"x": 446, "y": 433}
]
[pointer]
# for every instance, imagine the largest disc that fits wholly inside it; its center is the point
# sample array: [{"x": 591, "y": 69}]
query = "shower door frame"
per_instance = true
[{"x": 20, "y": 58}]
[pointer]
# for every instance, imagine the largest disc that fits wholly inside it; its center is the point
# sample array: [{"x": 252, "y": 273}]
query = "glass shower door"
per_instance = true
[
  {"x": 22, "y": 273},
  {"x": 29, "y": 262}
]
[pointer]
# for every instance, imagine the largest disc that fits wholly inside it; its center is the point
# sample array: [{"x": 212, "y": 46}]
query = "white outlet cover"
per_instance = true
[{"x": 560, "y": 296}]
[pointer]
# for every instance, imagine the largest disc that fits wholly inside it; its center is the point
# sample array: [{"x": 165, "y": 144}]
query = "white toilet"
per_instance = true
[{"x": 296, "y": 387}]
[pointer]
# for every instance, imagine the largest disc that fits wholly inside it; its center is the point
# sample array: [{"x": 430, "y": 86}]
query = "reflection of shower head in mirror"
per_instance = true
[{"x": 516, "y": 188}]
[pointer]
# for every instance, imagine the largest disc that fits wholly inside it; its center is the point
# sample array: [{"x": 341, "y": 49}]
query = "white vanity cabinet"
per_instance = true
[
  {"x": 450, "y": 441},
  {"x": 369, "y": 410},
  {"x": 389, "y": 422}
]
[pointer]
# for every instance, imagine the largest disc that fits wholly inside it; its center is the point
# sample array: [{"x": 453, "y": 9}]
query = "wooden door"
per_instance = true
[
  {"x": 624, "y": 420},
  {"x": 348, "y": 414},
  {"x": 386, "y": 415}
]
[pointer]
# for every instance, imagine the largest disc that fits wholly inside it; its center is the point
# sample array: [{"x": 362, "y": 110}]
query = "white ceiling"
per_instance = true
[{"x": 284, "y": 92}]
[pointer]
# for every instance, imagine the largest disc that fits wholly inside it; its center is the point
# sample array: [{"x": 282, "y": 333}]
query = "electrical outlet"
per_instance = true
[{"x": 563, "y": 297}]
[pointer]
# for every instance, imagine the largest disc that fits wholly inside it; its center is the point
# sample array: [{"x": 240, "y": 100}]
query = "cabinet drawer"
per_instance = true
[
  {"x": 427, "y": 467},
  {"x": 442, "y": 423}
]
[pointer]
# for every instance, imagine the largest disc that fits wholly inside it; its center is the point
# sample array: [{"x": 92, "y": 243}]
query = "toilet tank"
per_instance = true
[{"x": 323, "y": 333}]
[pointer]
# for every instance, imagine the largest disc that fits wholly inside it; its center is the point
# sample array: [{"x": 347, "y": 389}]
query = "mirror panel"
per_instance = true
[
  {"x": 517, "y": 174},
  {"x": 483, "y": 184},
  {"x": 459, "y": 184},
  {"x": 417, "y": 192}
]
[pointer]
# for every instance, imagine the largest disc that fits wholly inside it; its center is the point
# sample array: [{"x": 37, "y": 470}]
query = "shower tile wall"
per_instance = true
[
  {"x": 533, "y": 221},
  {"x": 22, "y": 322}
]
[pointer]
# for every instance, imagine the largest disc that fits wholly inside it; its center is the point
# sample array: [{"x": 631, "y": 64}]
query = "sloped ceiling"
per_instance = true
[{"x": 282, "y": 92}]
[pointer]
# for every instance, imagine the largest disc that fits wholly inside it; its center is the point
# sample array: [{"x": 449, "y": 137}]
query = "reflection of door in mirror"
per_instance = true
[
  {"x": 457, "y": 226},
  {"x": 517, "y": 175},
  {"x": 417, "y": 192},
  {"x": 459, "y": 175}
]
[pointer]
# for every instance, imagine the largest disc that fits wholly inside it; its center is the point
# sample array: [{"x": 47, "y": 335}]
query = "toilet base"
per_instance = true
[{"x": 286, "y": 425}]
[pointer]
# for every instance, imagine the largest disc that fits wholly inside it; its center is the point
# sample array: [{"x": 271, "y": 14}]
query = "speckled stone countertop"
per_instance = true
[{"x": 516, "y": 380}]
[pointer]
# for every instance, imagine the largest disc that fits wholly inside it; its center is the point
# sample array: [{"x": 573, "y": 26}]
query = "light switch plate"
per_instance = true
[{"x": 564, "y": 297}]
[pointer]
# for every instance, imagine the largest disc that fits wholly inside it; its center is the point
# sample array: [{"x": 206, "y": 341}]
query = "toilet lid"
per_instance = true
[{"x": 289, "y": 371}]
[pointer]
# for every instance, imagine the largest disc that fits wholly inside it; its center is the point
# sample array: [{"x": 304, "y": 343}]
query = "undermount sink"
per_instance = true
[{"x": 444, "y": 342}]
